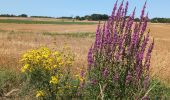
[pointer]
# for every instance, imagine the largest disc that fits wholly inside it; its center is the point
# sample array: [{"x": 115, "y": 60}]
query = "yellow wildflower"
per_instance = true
[
  {"x": 40, "y": 94},
  {"x": 77, "y": 75},
  {"x": 59, "y": 59},
  {"x": 48, "y": 68},
  {"x": 25, "y": 67},
  {"x": 61, "y": 75},
  {"x": 55, "y": 66},
  {"x": 38, "y": 57},
  {"x": 56, "y": 53},
  {"x": 54, "y": 80},
  {"x": 69, "y": 62},
  {"x": 80, "y": 78},
  {"x": 61, "y": 63},
  {"x": 45, "y": 55}
]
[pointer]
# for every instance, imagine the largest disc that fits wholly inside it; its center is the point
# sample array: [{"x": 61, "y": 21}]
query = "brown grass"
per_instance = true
[
  {"x": 13, "y": 44},
  {"x": 39, "y": 28}
]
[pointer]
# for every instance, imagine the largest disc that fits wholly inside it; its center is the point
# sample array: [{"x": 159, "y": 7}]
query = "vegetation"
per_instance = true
[
  {"x": 23, "y": 15},
  {"x": 41, "y": 17},
  {"x": 65, "y": 17},
  {"x": 80, "y": 34},
  {"x": 118, "y": 65},
  {"x": 49, "y": 73},
  {"x": 160, "y": 20},
  {"x": 93, "y": 17},
  {"x": 117, "y": 62},
  {"x": 42, "y": 22},
  {"x": 12, "y": 15},
  {"x": 9, "y": 81}
]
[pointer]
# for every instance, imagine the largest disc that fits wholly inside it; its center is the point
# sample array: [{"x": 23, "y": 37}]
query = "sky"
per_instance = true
[{"x": 71, "y": 8}]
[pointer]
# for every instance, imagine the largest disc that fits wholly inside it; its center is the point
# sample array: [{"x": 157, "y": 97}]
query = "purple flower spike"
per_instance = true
[
  {"x": 119, "y": 10},
  {"x": 94, "y": 82},
  {"x": 114, "y": 10},
  {"x": 105, "y": 72},
  {"x": 126, "y": 8},
  {"x": 144, "y": 25},
  {"x": 82, "y": 73},
  {"x": 143, "y": 11},
  {"x": 115, "y": 77},
  {"x": 128, "y": 77},
  {"x": 133, "y": 14},
  {"x": 90, "y": 58},
  {"x": 148, "y": 55},
  {"x": 97, "y": 41}
]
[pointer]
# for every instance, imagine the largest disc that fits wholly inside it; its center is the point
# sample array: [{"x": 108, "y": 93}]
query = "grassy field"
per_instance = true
[
  {"x": 16, "y": 37},
  {"x": 43, "y": 22}
]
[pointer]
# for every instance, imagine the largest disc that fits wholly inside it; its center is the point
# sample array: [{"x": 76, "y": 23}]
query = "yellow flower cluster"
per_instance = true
[
  {"x": 54, "y": 80},
  {"x": 50, "y": 64},
  {"x": 45, "y": 59},
  {"x": 25, "y": 67},
  {"x": 80, "y": 78},
  {"x": 40, "y": 93}
]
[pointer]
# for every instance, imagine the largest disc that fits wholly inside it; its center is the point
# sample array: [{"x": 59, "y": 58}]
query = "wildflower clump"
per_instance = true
[
  {"x": 49, "y": 72},
  {"x": 45, "y": 59},
  {"x": 119, "y": 59}
]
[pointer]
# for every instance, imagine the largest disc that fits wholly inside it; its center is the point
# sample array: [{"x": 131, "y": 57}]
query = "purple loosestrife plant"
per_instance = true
[{"x": 119, "y": 60}]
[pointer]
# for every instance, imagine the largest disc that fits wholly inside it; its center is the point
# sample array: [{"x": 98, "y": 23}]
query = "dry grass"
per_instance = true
[
  {"x": 161, "y": 55},
  {"x": 13, "y": 44},
  {"x": 39, "y": 28}
]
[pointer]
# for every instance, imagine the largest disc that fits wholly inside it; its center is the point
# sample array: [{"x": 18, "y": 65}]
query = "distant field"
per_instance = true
[
  {"x": 41, "y": 28},
  {"x": 62, "y": 22}
]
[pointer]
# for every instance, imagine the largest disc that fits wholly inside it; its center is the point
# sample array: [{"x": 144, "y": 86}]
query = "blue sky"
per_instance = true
[{"x": 57, "y": 8}]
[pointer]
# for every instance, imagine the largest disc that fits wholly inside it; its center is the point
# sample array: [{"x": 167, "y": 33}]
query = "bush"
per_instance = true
[
  {"x": 49, "y": 73},
  {"x": 119, "y": 60}
]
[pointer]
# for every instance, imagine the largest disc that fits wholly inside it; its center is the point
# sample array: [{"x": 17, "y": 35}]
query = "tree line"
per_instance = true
[
  {"x": 12, "y": 15},
  {"x": 98, "y": 17},
  {"x": 92, "y": 17},
  {"x": 160, "y": 20}
]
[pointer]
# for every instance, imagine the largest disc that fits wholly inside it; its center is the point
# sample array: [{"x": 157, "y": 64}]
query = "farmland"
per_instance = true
[{"x": 17, "y": 36}]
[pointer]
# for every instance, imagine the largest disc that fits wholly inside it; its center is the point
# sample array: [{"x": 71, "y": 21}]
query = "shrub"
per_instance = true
[
  {"x": 49, "y": 73},
  {"x": 119, "y": 59}
]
